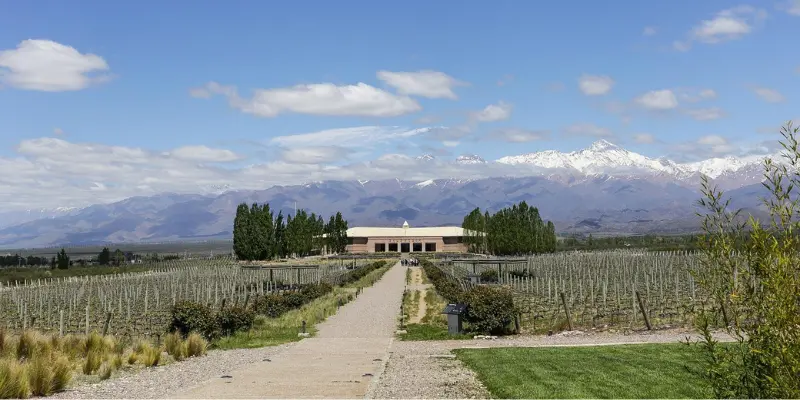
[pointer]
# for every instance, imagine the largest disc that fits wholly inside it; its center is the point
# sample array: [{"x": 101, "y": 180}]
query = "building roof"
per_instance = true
[{"x": 440, "y": 231}]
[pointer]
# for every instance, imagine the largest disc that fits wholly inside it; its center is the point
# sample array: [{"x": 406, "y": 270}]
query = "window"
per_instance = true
[
  {"x": 430, "y": 247},
  {"x": 405, "y": 247},
  {"x": 453, "y": 240},
  {"x": 417, "y": 247},
  {"x": 380, "y": 247},
  {"x": 393, "y": 247}
]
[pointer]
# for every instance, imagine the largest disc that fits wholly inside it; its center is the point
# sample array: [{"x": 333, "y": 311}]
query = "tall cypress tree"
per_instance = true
[{"x": 241, "y": 246}]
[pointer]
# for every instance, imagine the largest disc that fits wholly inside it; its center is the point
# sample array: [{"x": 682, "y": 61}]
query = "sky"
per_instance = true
[{"x": 101, "y": 100}]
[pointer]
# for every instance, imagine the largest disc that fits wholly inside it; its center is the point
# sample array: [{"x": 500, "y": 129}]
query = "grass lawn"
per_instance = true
[
  {"x": 622, "y": 371},
  {"x": 429, "y": 332}
]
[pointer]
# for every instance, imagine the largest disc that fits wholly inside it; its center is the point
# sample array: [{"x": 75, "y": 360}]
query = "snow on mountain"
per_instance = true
[
  {"x": 426, "y": 183},
  {"x": 426, "y": 157},
  {"x": 604, "y": 157},
  {"x": 470, "y": 159}
]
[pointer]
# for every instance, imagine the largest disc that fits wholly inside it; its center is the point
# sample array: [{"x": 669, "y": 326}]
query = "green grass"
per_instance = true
[
  {"x": 429, "y": 332},
  {"x": 285, "y": 329},
  {"x": 622, "y": 371}
]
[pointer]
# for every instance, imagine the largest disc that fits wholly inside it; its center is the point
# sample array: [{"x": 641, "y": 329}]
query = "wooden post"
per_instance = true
[
  {"x": 644, "y": 313},
  {"x": 106, "y": 324},
  {"x": 566, "y": 310},
  {"x": 61, "y": 323},
  {"x": 87, "y": 320}
]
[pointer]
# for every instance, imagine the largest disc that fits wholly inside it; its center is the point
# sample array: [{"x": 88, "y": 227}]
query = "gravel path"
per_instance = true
[
  {"x": 159, "y": 382},
  {"x": 436, "y": 373},
  {"x": 354, "y": 338},
  {"x": 348, "y": 353}
]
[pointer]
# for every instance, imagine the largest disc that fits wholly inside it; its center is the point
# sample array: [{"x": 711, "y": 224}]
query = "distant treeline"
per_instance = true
[
  {"x": 260, "y": 235},
  {"x": 514, "y": 230},
  {"x": 62, "y": 260},
  {"x": 651, "y": 242}
]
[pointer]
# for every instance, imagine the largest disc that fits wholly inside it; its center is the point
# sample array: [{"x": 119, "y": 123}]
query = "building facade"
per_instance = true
[{"x": 449, "y": 239}]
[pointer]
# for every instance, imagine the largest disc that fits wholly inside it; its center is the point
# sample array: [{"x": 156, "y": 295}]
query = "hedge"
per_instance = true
[
  {"x": 490, "y": 309},
  {"x": 189, "y": 316}
]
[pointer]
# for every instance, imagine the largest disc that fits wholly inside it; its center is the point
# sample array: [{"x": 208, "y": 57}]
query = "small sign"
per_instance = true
[{"x": 455, "y": 309}]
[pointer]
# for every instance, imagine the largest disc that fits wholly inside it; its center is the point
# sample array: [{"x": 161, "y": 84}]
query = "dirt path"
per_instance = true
[
  {"x": 348, "y": 353},
  {"x": 417, "y": 285}
]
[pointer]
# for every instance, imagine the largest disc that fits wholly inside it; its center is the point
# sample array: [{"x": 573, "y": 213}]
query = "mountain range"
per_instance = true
[{"x": 601, "y": 189}]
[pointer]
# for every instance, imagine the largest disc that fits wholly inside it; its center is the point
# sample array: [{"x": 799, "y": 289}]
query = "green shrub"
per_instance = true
[
  {"x": 489, "y": 276},
  {"x": 190, "y": 317},
  {"x": 490, "y": 309},
  {"x": 315, "y": 290},
  {"x": 234, "y": 319},
  {"x": 272, "y": 305}
]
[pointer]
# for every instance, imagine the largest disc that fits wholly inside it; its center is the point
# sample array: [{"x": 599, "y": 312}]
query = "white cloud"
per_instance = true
[
  {"x": 585, "y": 129},
  {"x": 45, "y": 65},
  {"x": 791, "y": 7},
  {"x": 726, "y": 25},
  {"x": 658, "y": 100},
  {"x": 595, "y": 85},
  {"x": 450, "y": 143},
  {"x": 362, "y": 136},
  {"x": 315, "y": 99},
  {"x": 649, "y": 31},
  {"x": 204, "y": 154},
  {"x": 768, "y": 95},
  {"x": 644, "y": 138},
  {"x": 431, "y": 84},
  {"x": 493, "y": 112},
  {"x": 315, "y": 154},
  {"x": 706, "y": 114},
  {"x": 695, "y": 95},
  {"x": 514, "y": 135}
]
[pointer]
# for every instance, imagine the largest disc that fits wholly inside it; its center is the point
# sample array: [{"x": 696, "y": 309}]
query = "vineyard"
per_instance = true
[
  {"x": 585, "y": 290},
  {"x": 138, "y": 304}
]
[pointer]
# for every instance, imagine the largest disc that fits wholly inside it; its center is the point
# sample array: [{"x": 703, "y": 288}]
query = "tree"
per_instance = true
[
  {"x": 241, "y": 245},
  {"x": 62, "y": 260},
  {"x": 104, "y": 257},
  {"x": 514, "y": 230},
  {"x": 118, "y": 257},
  {"x": 751, "y": 273}
]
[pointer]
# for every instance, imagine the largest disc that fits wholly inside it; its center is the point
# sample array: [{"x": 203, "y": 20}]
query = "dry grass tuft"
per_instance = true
[
  {"x": 173, "y": 345},
  {"x": 13, "y": 380},
  {"x": 196, "y": 345}
]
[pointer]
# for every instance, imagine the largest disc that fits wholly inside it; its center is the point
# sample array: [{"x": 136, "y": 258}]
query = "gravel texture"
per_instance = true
[
  {"x": 428, "y": 369},
  {"x": 159, "y": 382}
]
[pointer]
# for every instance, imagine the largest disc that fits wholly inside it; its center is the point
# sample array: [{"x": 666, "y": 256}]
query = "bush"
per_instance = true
[
  {"x": 445, "y": 286},
  {"x": 489, "y": 276},
  {"x": 234, "y": 319},
  {"x": 315, "y": 290},
  {"x": 490, "y": 309},
  {"x": 272, "y": 305},
  {"x": 190, "y": 317}
]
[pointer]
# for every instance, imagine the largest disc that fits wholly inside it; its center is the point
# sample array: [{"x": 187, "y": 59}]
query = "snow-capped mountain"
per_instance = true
[
  {"x": 11, "y": 218},
  {"x": 606, "y": 158},
  {"x": 470, "y": 159},
  {"x": 426, "y": 157}
]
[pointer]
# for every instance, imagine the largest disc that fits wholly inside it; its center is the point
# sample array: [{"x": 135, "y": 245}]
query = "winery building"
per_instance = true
[{"x": 448, "y": 239}]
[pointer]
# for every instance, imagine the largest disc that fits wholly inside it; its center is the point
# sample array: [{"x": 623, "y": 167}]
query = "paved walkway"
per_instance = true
[{"x": 348, "y": 353}]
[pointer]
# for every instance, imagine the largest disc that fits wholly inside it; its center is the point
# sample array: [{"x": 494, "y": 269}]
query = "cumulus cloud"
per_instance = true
[
  {"x": 726, "y": 25},
  {"x": 595, "y": 85},
  {"x": 45, "y": 65},
  {"x": 327, "y": 99},
  {"x": 705, "y": 147},
  {"x": 204, "y": 154},
  {"x": 768, "y": 95},
  {"x": 658, "y": 100},
  {"x": 493, "y": 112},
  {"x": 430, "y": 84},
  {"x": 693, "y": 95},
  {"x": 585, "y": 129},
  {"x": 516, "y": 135}
]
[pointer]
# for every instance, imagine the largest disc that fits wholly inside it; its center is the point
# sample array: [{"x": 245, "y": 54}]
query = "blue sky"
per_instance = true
[{"x": 659, "y": 77}]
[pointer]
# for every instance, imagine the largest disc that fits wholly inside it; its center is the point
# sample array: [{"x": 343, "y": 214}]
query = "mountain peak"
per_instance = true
[
  {"x": 470, "y": 159},
  {"x": 603, "y": 144}
]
